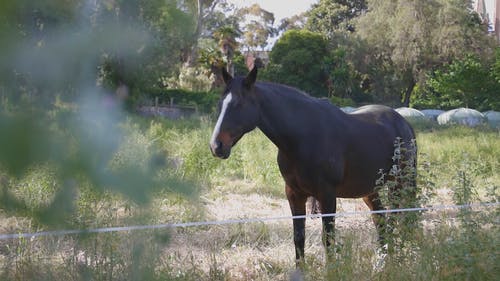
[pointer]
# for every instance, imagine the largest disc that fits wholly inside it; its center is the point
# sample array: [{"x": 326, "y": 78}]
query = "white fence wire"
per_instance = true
[{"x": 236, "y": 221}]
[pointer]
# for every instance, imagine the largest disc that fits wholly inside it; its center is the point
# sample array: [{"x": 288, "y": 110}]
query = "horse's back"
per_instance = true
[{"x": 386, "y": 117}]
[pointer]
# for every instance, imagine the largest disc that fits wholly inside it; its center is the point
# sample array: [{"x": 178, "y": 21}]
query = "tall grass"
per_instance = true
[
  {"x": 253, "y": 159},
  {"x": 462, "y": 164},
  {"x": 449, "y": 149}
]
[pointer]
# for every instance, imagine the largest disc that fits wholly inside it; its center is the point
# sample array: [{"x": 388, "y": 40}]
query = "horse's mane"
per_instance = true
[
  {"x": 284, "y": 89},
  {"x": 292, "y": 93}
]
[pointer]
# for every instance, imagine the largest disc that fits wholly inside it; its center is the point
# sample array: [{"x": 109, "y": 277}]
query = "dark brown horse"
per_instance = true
[{"x": 323, "y": 152}]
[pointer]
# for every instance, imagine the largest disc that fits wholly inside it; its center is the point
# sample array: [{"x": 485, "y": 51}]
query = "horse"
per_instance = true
[{"x": 323, "y": 152}]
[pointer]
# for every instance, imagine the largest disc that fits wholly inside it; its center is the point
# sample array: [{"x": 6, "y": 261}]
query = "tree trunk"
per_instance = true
[
  {"x": 193, "y": 53},
  {"x": 409, "y": 90}
]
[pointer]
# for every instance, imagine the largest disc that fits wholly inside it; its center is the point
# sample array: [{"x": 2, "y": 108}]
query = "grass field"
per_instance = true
[{"x": 456, "y": 165}]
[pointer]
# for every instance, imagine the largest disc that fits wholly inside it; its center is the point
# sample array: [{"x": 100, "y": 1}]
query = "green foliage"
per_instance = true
[
  {"x": 249, "y": 161},
  {"x": 206, "y": 102},
  {"x": 70, "y": 160},
  {"x": 83, "y": 150},
  {"x": 259, "y": 28},
  {"x": 170, "y": 31},
  {"x": 86, "y": 170},
  {"x": 444, "y": 149},
  {"x": 343, "y": 80},
  {"x": 463, "y": 83},
  {"x": 193, "y": 78},
  {"x": 297, "y": 60},
  {"x": 407, "y": 39},
  {"x": 398, "y": 189},
  {"x": 445, "y": 250},
  {"x": 328, "y": 17},
  {"x": 338, "y": 68},
  {"x": 342, "y": 102},
  {"x": 240, "y": 67},
  {"x": 75, "y": 45},
  {"x": 495, "y": 69}
]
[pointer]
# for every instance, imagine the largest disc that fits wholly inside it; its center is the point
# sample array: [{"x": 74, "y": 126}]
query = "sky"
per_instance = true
[
  {"x": 490, "y": 6},
  {"x": 286, "y": 8},
  {"x": 280, "y": 8}
]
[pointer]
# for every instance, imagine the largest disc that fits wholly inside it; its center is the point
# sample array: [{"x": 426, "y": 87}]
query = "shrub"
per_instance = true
[{"x": 205, "y": 102}]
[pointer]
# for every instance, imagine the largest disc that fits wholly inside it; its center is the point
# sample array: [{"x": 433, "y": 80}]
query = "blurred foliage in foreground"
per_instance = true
[
  {"x": 88, "y": 149},
  {"x": 62, "y": 70}
]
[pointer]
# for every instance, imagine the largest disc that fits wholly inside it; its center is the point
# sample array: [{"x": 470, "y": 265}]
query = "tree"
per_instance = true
[
  {"x": 342, "y": 81},
  {"x": 61, "y": 45},
  {"x": 293, "y": 22},
  {"x": 408, "y": 38},
  {"x": 170, "y": 35},
  {"x": 335, "y": 21},
  {"x": 328, "y": 17},
  {"x": 495, "y": 68},
  {"x": 202, "y": 11},
  {"x": 258, "y": 28},
  {"x": 460, "y": 32},
  {"x": 466, "y": 82},
  {"x": 226, "y": 37},
  {"x": 27, "y": 28},
  {"x": 297, "y": 60}
]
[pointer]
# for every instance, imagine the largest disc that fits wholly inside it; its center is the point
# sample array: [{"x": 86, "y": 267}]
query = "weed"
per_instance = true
[{"x": 398, "y": 189}]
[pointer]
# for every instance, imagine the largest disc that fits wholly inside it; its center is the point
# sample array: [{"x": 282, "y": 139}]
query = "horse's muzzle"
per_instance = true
[{"x": 220, "y": 150}]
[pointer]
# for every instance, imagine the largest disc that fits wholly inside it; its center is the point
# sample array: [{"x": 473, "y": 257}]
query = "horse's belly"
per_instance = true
[
  {"x": 359, "y": 182},
  {"x": 354, "y": 190}
]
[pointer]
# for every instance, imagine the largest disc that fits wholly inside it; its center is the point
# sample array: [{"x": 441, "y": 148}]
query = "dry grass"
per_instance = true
[{"x": 249, "y": 186}]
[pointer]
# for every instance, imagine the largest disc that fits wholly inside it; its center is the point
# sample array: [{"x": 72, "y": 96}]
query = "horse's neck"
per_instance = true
[{"x": 277, "y": 117}]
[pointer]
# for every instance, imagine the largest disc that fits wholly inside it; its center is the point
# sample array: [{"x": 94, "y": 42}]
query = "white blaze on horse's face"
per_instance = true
[{"x": 213, "y": 140}]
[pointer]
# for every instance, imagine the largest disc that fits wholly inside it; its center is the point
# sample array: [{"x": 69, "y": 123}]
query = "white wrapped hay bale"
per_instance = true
[
  {"x": 462, "y": 116},
  {"x": 348, "y": 109},
  {"x": 411, "y": 114},
  {"x": 432, "y": 114},
  {"x": 493, "y": 118}
]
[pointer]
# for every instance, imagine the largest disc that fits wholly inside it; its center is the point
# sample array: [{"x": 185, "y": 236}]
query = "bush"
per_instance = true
[
  {"x": 467, "y": 82},
  {"x": 297, "y": 60},
  {"x": 203, "y": 101},
  {"x": 342, "y": 102}
]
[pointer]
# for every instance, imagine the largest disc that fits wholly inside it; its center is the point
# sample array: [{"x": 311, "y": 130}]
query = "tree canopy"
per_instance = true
[
  {"x": 297, "y": 60},
  {"x": 328, "y": 17},
  {"x": 414, "y": 37},
  {"x": 363, "y": 50}
]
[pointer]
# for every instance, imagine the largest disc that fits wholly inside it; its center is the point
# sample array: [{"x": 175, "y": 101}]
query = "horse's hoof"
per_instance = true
[{"x": 297, "y": 275}]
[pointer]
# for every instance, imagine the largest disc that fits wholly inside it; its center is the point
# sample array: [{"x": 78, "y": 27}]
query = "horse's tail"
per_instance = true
[{"x": 313, "y": 205}]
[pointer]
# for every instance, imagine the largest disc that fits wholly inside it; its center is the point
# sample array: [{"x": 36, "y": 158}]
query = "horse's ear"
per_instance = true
[
  {"x": 251, "y": 77},
  {"x": 226, "y": 76}
]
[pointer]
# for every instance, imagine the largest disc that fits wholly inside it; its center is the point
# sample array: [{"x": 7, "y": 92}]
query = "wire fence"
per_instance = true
[{"x": 237, "y": 221}]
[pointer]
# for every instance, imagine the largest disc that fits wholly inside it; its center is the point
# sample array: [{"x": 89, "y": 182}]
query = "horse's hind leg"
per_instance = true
[
  {"x": 381, "y": 223},
  {"x": 373, "y": 202}
]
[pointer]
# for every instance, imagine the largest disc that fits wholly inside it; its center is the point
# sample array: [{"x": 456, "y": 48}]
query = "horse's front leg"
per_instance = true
[
  {"x": 328, "y": 206},
  {"x": 298, "y": 207}
]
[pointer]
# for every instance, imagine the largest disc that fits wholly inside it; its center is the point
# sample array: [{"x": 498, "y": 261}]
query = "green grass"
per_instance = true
[
  {"x": 453, "y": 149},
  {"x": 464, "y": 162}
]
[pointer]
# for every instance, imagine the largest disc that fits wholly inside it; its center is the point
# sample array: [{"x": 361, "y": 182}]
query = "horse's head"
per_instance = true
[{"x": 238, "y": 113}]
